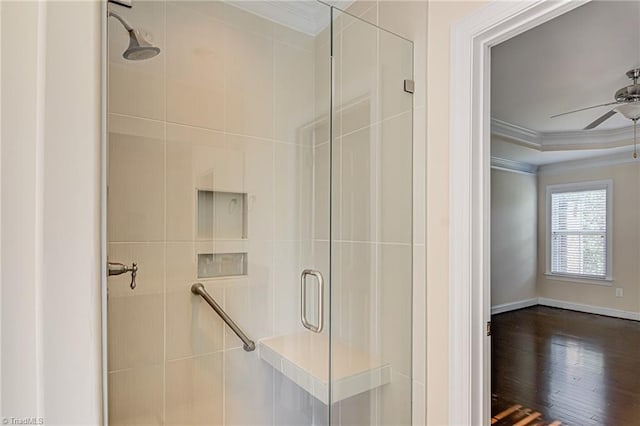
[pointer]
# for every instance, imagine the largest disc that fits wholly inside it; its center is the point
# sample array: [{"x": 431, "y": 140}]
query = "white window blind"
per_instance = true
[{"x": 579, "y": 233}]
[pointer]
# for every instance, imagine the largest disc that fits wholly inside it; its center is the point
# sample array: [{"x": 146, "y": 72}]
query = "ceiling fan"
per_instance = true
[{"x": 627, "y": 101}]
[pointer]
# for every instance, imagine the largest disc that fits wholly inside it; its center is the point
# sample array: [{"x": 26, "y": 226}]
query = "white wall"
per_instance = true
[
  {"x": 625, "y": 239},
  {"x": 441, "y": 15},
  {"x": 50, "y": 211},
  {"x": 513, "y": 236}
]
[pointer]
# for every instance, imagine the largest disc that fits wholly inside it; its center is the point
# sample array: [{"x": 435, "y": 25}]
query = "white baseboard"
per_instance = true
[
  {"x": 512, "y": 306},
  {"x": 554, "y": 303},
  {"x": 590, "y": 309}
]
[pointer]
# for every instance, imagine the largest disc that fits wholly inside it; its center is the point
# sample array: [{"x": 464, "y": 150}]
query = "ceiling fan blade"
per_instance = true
[
  {"x": 584, "y": 109},
  {"x": 598, "y": 121}
]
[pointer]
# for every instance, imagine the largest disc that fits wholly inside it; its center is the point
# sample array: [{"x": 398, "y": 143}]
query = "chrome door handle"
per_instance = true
[{"x": 303, "y": 303}]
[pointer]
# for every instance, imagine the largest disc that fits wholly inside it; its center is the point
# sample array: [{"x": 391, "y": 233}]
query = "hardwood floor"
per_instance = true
[{"x": 580, "y": 369}]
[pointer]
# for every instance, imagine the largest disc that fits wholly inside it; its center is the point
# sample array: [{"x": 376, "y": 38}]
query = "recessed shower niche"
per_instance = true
[{"x": 221, "y": 215}]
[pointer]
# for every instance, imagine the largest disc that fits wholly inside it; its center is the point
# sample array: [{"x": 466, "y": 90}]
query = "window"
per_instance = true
[{"x": 579, "y": 230}]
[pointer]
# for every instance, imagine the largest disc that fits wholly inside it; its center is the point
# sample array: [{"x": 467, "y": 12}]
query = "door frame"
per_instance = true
[{"x": 469, "y": 187}]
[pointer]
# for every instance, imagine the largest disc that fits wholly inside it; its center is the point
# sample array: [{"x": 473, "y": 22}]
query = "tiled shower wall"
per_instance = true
[
  {"x": 221, "y": 109},
  {"x": 218, "y": 110}
]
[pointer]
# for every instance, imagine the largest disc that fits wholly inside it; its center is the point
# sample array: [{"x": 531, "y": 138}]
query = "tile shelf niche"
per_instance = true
[
  {"x": 218, "y": 265},
  {"x": 221, "y": 215},
  {"x": 303, "y": 358}
]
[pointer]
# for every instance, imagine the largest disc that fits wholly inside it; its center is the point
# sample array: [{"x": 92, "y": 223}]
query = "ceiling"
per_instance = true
[{"x": 576, "y": 60}]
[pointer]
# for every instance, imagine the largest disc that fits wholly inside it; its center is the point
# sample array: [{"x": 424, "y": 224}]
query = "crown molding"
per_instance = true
[
  {"x": 518, "y": 134},
  {"x": 504, "y": 164},
  {"x": 588, "y": 163},
  {"x": 562, "y": 141}
]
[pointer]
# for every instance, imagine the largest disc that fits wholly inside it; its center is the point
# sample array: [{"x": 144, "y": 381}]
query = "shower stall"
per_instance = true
[{"x": 259, "y": 215}]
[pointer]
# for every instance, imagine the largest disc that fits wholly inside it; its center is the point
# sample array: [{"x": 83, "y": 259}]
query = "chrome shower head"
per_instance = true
[{"x": 139, "y": 48}]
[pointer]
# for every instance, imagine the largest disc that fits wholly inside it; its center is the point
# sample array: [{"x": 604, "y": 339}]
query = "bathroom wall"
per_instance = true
[
  {"x": 50, "y": 255},
  {"x": 514, "y": 241},
  {"x": 220, "y": 109},
  {"x": 442, "y": 14}
]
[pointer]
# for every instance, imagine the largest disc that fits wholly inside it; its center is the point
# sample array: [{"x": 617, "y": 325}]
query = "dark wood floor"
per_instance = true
[{"x": 581, "y": 369}]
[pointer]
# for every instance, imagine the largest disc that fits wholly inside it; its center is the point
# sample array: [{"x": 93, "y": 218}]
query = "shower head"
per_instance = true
[{"x": 139, "y": 48}]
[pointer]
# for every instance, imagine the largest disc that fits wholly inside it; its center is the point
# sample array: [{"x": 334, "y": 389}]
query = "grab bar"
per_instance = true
[{"x": 199, "y": 290}]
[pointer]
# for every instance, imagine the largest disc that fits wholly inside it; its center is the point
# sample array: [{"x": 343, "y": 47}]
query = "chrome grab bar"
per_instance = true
[
  {"x": 198, "y": 289},
  {"x": 303, "y": 305}
]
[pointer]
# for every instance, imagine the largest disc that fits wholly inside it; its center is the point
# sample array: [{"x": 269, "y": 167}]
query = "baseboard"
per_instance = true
[
  {"x": 554, "y": 303},
  {"x": 590, "y": 309},
  {"x": 512, "y": 306}
]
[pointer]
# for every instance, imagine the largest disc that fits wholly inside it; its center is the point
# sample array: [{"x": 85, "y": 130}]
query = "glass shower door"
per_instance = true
[
  {"x": 269, "y": 162},
  {"x": 371, "y": 217},
  {"x": 218, "y": 174}
]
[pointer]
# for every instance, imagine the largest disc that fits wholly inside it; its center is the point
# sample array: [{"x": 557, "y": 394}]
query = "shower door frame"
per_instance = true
[{"x": 103, "y": 199}]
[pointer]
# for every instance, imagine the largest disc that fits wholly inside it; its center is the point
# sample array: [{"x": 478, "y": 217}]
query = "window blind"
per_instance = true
[{"x": 579, "y": 233}]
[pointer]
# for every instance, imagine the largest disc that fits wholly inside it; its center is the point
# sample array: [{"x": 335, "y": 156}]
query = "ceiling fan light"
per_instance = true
[{"x": 630, "y": 110}]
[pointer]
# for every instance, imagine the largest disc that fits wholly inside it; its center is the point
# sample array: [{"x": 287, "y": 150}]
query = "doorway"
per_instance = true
[{"x": 469, "y": 254}]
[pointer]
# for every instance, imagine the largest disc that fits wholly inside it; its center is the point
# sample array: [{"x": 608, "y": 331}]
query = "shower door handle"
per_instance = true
[{"x": 303, "y": 303}]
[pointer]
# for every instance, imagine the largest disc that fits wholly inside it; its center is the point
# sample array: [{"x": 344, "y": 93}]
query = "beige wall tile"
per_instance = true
[
  {"x": 360, "y": 410},
  {"x": 354, "y": 311},
  {"x": 259, "y": 178},
  {"x": 395, "y": 405},
  {"x": 395, "y": 66},
  {"x": 194, "y": 391},
  {"x": 287, "y": 270},
  {"x": 261, "y": 289},
  {"x": 365, "y": 9},
  {"x": 249, "y": 77},
  {"x": 249, "y": 22},
  {"x": 395, "y": 197},
  {"x": 409, "y": 19},
  {"x": 135, "y": 396},
  {"x": 137, "y": 87},
  {"x": 193, "y": 328},
  {"x": 198, "y": 159},
  {"x": 248, "y": 401},
  {"x": 236, "y": 304},
  {"x": 321, "y": 183},
  {"x": 394, "y": 311},
  {"x": 293, "y": 405},
  {"x": 195, "y": 55},
  {"x": 135, "y": 212},
  {"x": 293, "y": 192},
  {"x": 419, "y": 176},
  {"x": 322, "y": 77},
  {"x": 358, "y": 185},
  {"x": 356, "y": 68},
  {"x": 135, "y": 331},
  {"x": 419, "y": 316},
  {"x": 150, "y": 260},
  {"x": 181, "y": 266},
  {"x": 294, "y": 91}
]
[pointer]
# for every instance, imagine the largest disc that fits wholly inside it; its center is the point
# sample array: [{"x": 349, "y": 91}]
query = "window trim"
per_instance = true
[{"x": 606, "y": 184}]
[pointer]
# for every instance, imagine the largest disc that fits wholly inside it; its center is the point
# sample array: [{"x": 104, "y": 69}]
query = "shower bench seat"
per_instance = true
[{"x": 304, "y": 359}]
